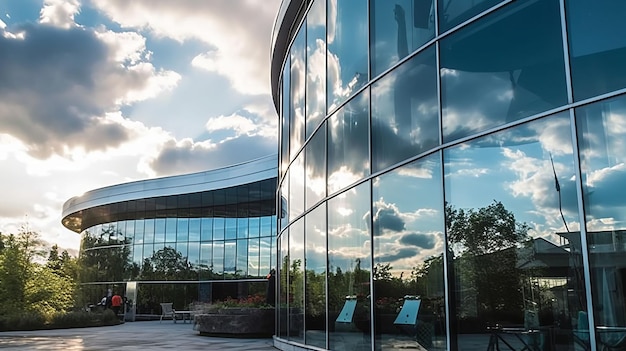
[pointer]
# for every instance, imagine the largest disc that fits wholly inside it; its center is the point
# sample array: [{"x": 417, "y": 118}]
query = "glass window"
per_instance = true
[
  {"x": 218, "y": 258},
  {"x": 182, "y": 229},
  {"x": 218, "y": 228},
  {"x": 253, "y": 258},
  {"x": 159, "y": 230},
  {"x": 207, "y": 229},
  {"x": 138, "y": 254},
  {"x": 296, "y": 281},
  {"x": 298, "y": 69},
  {"x": 266, "y": 226},
  {"x": 296, "y": 189},
  {"x": 128, "y": 229},
  {"x": 170, "y": 230},
  {"x": 193, "y": 254},
  {"x": 348, "y": 146},
  {"x": 194, "y": 229},
  {"x": 316, "y": 66},
  {"x": 242, "y": 228},
  {"x": 408, "y": 254},
  {"x": 602, "y": 137},
  {"x": 266, "y": 253},
  {"x": 230, "y": 259},
  {"x": 514, "y": 244},
  {"x": 139, "y": 230},
  {"x": 405, "y": 118},
  {"x": 149, "y": 231},
  {"x": 206, "y": 260},
  {"x": 315, "y": 168},
  {"x": 254, "y": 227},
  {"x": 315, "y": 271},
  {"x": 284, "y": 201},
  {"x": 347, "y": 43},
  {"x": 284, "y": 151},
  {"x": 242, "y": 259},
  {"x": 181, "y": 247},
  {"x": 597, "y": 46},
  {"x": 493, "y": 73},
  {"x": 283, "y": 286},
  {"x": 349, "y": 261},
  {"x": 398, "y": 28},
  {"x": 453, "y": 12}
]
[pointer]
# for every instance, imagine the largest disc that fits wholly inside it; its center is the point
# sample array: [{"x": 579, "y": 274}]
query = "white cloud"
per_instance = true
[
  {"x": 239, "y": 124},
  {"x": 240, "y": 51},
  {"x": 59, "y": 13}
]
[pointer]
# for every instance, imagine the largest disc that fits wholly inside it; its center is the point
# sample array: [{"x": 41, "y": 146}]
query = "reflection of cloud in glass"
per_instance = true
[
  {"x": 398, "y": 254},
  {"x": 332, "y": 19},
  {"x": 425, "y": 241},
  {"x": 387, "y": 218},
  {"x": 341, "y": 178}
]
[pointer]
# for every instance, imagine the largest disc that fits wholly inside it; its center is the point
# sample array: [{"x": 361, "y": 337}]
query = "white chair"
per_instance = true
[{"x": 167, "y": 310}]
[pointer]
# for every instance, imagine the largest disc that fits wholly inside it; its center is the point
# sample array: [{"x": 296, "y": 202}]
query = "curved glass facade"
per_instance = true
[
  {"x": 182, "y": 247},
  {"x": 451, "y": 174}
]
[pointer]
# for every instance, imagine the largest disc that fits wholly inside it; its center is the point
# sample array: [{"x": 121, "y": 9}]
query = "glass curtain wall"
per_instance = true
[{"x": 461, "y": 188}]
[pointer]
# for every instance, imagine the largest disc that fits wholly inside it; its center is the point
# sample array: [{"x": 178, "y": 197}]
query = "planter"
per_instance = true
[{"x": 237, "y": 323}]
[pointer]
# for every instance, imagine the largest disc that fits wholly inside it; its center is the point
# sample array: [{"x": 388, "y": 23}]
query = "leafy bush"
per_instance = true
[{"x": 37, "y": 321}]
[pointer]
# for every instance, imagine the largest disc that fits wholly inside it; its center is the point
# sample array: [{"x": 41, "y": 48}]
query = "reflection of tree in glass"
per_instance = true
[
  {"x": 105, "y": 257},
  {"x": 485, "y": 244}
]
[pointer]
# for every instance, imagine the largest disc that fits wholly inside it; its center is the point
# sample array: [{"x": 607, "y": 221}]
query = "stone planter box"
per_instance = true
[{"x": 237, "y": 323}]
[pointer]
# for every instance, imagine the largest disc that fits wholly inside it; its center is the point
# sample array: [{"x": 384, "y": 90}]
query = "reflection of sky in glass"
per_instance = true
[
  {"x": 514, "y": 167},
  {"x": 397, "y": 29},
  {"x": 315, "y": 169},
  {"x": 602, "y": 131},
  {"x": 297, "y": 93},
  {"x": 315, "y": 66},
  {"x": 347, "y": 49},
  {"x": 348, "y": 146},
  {"x": 296, "y": 190},
  {"x": 316, "y": 239},
  {"x": 491, "y": 75},
  {"x": 408, "y": 217},
  {"x": 348, "y": 229}
]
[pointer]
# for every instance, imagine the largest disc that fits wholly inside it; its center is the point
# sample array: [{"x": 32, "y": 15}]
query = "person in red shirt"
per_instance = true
[{"x": 116, "y": 303}]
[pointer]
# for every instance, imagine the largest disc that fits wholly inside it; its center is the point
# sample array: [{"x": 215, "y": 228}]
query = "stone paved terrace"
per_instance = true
[{"x": 145, "y": 336}]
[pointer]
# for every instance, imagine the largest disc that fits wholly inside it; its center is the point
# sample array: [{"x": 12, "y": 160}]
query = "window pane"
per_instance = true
[
  {"x": 296, "y": 281},
  {"x": 170, "y": 230},
  {"x": 348, "y": 147},
  {"x": 316, "y": 66},
  {"x": 398, "y": 28},
  {"x": 159, "y": 230},
  {"x": 149, "y": 231},
  {"x": 349, "y": 269},
  {"x": 347, "y": 49},
  {"x": 298, "y": 52},
  {"x": 283, "y": 286},
  {"x": 493, "y": 73},
  {"x": 296, "y": 189},
  {"x": 242, "y": 228},
  {"x": 218, "y": 258},
  {"x": 513, "y": 232},
  {"x": 602, "y": 152},
  {"x": 254, "y": 226},
  {"x": 315, "y": 168},
  {"x": 253, "y": 258},
  {"x": 408, "y": 254},
  {"x": 182, "y": 229},
  {"x": 315, "y": 268},
  {"x": 286, "y": 103},
  {"x": 452, "y": 13},
  {"x": 194, "y": 229},
  {"x": 405, "y": 119},
  {"x": 597, "y": 46},
  {"x": 218, "y": 228},
  {"x": 207, "y": 229},
  {"x": 230, "y": 255},
  {"x": 242, "y": 259}
]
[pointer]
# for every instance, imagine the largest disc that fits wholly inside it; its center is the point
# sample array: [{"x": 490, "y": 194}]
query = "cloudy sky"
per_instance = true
[{"x": 100, "y": 92}]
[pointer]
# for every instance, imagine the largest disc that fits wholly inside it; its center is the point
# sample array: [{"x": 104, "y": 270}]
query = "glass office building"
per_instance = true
[
  {"x": 452, "y": 174},
  {"x": 197, "y": 237}
]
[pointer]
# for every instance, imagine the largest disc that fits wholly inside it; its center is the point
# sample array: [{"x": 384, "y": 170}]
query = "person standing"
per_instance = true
[
  {"x": 270, "y": 295},
  {"x": 116, "y": 303}
]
